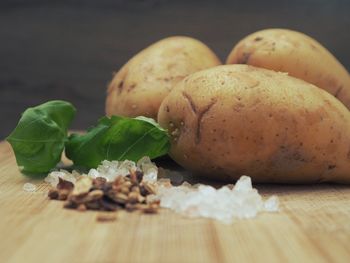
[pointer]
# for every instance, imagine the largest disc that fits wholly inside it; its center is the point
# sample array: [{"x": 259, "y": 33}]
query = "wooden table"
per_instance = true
[{"x": 313, "y": 226}]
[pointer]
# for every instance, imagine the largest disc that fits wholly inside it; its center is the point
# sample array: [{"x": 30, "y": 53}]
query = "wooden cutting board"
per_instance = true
[{"x": 313, "y": 226}]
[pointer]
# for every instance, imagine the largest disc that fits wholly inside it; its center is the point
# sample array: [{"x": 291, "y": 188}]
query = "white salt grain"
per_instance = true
[
  {"x": 93, "y": 173},
  {"x": 125, "y": 167},
  {"x": 243, "y": 184},
  {"x": 149, "y": 169},
  {"x": 143, "y": 161},
  {"x": 52, "y": 177},
  {"x": 272, "y": 204},
  {"x": 150, "y": 175},
  {"x": 28, "y": 187}
]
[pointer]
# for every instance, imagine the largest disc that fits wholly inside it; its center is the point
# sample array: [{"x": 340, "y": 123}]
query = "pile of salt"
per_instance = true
[{"x": 224, "y": 204}]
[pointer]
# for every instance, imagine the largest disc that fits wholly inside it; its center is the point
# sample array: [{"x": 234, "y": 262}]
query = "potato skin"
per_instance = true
[
  {"x": 143, "y": 82},
  {"x": 236, "y": 119},
  {"x": 296, "y": 53}
]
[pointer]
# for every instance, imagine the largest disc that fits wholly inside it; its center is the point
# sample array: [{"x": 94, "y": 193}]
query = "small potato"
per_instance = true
[
  {"x": 299, "y": 55},
  {"x": 236, "y": 119},
  {"x": 144, "y": 81}
]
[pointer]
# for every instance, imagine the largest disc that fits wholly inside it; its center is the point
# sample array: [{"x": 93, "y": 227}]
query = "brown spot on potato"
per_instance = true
[
  {"x": 331, "y": 106},
  {"x": 120, "y": 86},
  {"x": 244, "y": 58},
  {"x": 258, "y": 39},
  {"x": 131, "y": 87},
  {"x": 238, "y": 106},
  {"x": 331, "y": 166},
  {"x": 253, "y": 85},
  {"x": 313, "y": 47},
  {"x": 338, "y": 91}
]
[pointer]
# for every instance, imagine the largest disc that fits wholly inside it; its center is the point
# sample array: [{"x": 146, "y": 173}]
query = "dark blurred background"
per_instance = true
[{"x": 62, "y": 49}]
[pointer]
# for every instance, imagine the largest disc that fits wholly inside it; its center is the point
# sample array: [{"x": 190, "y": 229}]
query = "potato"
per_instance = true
[
  {"x": 144, "y": 81},
  {"x": 299, "y": 55},
  {"x": 236, "y": 119}
]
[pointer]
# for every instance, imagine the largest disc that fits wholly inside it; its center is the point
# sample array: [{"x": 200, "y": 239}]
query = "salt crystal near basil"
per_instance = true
[{"x": 53, "y": 177}]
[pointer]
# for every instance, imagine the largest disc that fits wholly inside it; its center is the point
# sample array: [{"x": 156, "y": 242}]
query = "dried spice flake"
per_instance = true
[{"x": 106, "y": 217}]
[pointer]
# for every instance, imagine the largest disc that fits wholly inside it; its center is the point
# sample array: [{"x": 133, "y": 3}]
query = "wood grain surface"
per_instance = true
[{"x": 312, "y": 226}]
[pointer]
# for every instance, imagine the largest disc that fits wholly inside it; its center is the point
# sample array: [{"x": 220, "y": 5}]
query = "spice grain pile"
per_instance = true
[{"x": 125, "y": 192}]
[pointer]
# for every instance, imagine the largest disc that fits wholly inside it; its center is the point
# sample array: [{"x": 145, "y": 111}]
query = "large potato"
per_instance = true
[
  {"x": 237, "y": 119},
  {"x": 143, "y": 82},
  {"x": 299, "y": 55}
]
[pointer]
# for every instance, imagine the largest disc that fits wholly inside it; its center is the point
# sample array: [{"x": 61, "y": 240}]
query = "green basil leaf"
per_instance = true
[
  {"x": 39, "y": 138},
  {"x": 118, "y": 138}
]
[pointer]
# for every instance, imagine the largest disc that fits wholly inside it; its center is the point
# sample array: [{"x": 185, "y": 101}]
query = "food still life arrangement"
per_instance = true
[{"x": 276, "y": 112}]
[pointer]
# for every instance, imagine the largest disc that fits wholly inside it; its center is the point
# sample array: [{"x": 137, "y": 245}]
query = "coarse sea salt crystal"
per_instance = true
[
  {"x": 125, "y": 167},
  {"x": 93, "y": 173},
  {"x": 272, "y": 204},
  {"x": 28, "y": 187},
  {"x": 149, "y": 169},
  {"x": 150, "y": 175},
  {"x": 52, "y": 178},
  {"x": 225, "y": 204},
  {"x": 243, "y": 184}
]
